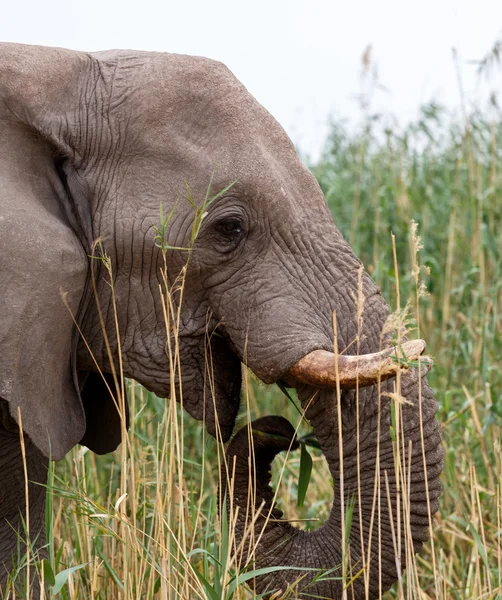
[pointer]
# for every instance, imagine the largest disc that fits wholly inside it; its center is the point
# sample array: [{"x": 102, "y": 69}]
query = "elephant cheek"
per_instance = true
[{"x": 211, "y": 384}]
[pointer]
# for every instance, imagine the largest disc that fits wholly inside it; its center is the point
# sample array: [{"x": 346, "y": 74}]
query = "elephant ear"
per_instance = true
[{"x": 43, "y": 265}]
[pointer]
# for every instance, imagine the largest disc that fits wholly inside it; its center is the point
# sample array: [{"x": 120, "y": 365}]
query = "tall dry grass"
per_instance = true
[{"x": 445, "y": 176}]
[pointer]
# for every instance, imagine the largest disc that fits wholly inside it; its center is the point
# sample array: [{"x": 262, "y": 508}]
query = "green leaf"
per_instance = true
[
  {"x": 270, "y": 436},
  {"x": 284, "y": 390},
  {"x": 110, "y": 569},
  {"x": 62, "y": 577},
  {"x": 242, "y": 578},
  {"x": 207, "y": 587},
  {"x": 209, "y": 555},
  {"x": 480, "y": 546},
  {"x": 208, "y": 200},
  {"x": 48, "y": 573},
  {"x": 310, "y": 440},
  {"x": 305, "y": 472}
]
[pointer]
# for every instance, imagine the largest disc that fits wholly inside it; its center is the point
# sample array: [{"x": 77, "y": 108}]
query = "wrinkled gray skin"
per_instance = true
[{"x": 92, "y": 145}]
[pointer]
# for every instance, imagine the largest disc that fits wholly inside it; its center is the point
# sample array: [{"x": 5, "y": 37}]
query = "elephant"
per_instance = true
[{"x": 93, "y": 145}]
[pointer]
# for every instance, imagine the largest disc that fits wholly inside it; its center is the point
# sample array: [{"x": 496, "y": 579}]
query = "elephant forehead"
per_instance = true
[
  {"x": 178, "y": 120},
  {"x": 177, "y": 98}
]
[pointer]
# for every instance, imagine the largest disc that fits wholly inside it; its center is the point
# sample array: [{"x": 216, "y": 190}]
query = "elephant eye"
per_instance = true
[
  {"x": 229, "y": 233},
  {"x": 230, "y": 228}
]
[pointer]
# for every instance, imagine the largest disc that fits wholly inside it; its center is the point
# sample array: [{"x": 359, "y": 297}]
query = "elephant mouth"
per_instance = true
[
  {"x": 323, "y": 369},
  {"x": 318, "y": 369}
]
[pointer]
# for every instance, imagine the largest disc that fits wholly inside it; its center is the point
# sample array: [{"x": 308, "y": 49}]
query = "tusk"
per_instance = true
[{"x": 320, "y": 369}]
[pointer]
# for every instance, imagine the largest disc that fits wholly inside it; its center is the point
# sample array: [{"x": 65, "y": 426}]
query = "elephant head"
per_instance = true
[{"x": 93, "y": 146}]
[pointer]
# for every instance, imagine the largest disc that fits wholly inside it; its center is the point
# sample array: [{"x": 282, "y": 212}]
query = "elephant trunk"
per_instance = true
[{"x": 386, "y": 486}]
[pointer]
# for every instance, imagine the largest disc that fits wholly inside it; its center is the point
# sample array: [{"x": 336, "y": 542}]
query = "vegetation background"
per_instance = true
[{"x": 143, "y": 522}]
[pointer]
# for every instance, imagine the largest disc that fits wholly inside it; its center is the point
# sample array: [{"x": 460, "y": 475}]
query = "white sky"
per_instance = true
[{"x": 300, "y": 58}]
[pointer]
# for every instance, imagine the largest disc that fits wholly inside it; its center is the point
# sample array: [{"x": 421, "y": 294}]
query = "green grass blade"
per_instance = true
[{"x": 305, "y": 473}]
